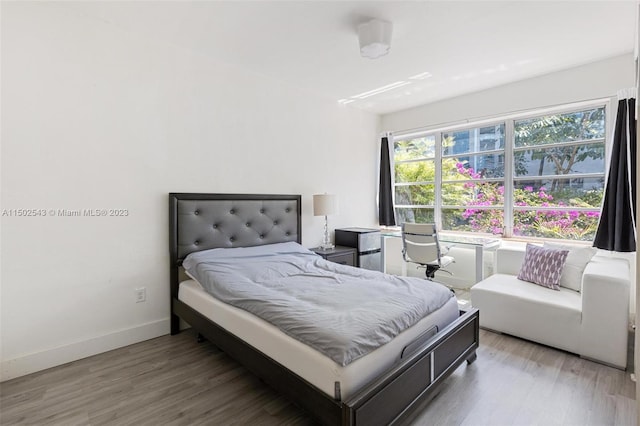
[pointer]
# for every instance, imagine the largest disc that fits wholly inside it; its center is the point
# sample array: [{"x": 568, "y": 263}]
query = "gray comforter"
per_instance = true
[{"x": 341, "y": 311}]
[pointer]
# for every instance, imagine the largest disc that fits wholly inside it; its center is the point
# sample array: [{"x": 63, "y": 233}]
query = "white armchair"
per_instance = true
[{"x": 592, "y": 323}]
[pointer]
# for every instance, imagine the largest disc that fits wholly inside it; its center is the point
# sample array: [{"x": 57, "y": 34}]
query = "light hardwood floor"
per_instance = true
[{"x": 173, "y": 380}]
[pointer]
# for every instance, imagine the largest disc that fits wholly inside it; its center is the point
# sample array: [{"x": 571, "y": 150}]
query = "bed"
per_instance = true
[{"x": 379, "y": 388}]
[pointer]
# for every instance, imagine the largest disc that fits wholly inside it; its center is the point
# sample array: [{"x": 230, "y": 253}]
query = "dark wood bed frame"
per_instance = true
[{"x": 390, "y": 398}]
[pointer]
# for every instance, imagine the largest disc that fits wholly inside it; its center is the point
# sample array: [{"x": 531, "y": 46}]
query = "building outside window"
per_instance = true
[{"x": 537, "y": 176}]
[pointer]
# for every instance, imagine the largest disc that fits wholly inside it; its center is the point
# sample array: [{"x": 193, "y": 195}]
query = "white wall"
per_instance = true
[
  {"x": 596, "y": 80},
  {"x": 94, "y": 117}
]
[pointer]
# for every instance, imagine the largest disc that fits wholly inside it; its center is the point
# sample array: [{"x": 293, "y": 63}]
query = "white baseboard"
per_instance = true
[{"x": 32, "y": 363}]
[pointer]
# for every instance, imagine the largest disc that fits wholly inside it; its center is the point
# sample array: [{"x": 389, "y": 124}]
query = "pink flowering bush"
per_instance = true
[
  {"x": 484, "y": 203},
  {"x": 548, "y": 223},
  {"x": 565, "y": 224}
]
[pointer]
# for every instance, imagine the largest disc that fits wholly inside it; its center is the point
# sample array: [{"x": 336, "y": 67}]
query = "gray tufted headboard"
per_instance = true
[{"x": 205, "y": 221}]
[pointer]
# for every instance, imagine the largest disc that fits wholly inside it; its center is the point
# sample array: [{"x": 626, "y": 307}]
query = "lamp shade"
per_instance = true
[
  {"x": 325, "y": 204},
  {"x": 375, "y": 38}
]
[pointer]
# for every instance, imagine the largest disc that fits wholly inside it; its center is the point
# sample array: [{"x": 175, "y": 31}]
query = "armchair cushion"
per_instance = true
[
  {"x": 543, "y": 266},
  {"x": 577, "y": 260},
  {"x": 527, "y": 310}
]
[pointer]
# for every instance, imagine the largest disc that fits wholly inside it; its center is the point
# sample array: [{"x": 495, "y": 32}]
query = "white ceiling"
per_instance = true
[{"x": 466, "y": 46}]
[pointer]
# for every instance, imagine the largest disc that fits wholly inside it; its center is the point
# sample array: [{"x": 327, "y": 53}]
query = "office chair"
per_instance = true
[{"x": 420, "y": 245}]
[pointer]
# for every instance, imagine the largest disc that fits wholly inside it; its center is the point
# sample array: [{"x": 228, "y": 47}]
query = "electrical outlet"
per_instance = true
[{"x": 141, "y": 294}]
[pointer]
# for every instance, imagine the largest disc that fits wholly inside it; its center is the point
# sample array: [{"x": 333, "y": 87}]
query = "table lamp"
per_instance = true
[{"x": 325, "y": 205}]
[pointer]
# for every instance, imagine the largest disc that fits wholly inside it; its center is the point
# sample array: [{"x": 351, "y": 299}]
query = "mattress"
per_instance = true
[
  {"x": 301, "y": 359},
  {"x": 341, "y": 311}
]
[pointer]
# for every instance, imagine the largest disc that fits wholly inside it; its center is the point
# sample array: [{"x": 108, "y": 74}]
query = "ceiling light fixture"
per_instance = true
[
  {"x": 345, "y": 101},
  {"x": 421, "y": 76},
  {"x": 375, "y": 38},
  {"x": 381, "y": 89}
]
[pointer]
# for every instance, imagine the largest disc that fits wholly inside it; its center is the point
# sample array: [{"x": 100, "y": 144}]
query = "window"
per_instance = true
[
  {"x": 559, "y": 174},
  {"x": 473, "y": 179},
  {"x": 537, "y": 176},
  {"x": 415, "y": 173}
]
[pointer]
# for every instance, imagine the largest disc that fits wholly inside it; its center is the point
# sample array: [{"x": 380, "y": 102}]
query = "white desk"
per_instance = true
[{"x": 479, "y": 243}]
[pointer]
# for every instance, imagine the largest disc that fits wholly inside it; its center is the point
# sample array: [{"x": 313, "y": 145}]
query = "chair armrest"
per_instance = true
[{"x": 605, "y": 310}]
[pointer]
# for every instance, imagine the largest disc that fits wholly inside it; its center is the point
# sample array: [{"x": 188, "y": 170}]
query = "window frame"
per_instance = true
[{"x": 510, "y": 179}]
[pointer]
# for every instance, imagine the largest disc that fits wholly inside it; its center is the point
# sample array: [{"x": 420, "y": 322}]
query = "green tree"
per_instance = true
[{"x": 540, "y": 131}]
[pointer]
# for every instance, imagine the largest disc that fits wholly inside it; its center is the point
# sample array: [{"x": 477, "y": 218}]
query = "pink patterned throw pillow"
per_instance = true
[{"x": 543, "y": 266}]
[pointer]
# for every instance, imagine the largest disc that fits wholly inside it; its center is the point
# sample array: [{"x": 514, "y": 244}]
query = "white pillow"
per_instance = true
[{"x": 577, "y": 260}]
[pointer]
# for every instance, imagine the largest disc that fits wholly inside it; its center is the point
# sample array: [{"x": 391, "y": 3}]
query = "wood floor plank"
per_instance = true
[{"x": 173, "y": 380}]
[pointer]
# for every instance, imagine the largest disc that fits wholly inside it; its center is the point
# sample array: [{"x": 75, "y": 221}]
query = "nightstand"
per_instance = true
[{"x": 338, "y": 254}]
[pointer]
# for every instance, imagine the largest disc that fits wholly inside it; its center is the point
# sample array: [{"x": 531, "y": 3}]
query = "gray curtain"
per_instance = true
[
  {"x": 617, "y": 228},
  {"x": 386, "y": 215}
]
